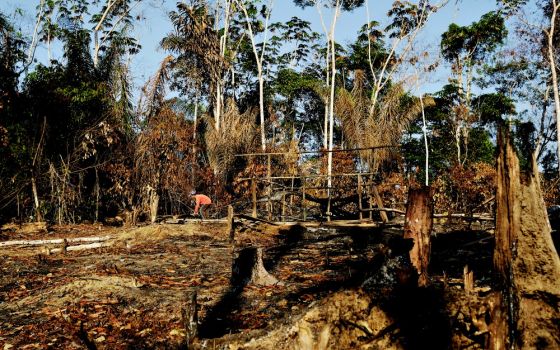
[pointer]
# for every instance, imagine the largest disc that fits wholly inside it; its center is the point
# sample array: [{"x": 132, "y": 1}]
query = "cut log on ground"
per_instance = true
[
  {"x": 418, "y": 226},
  {"x": 525, "y": 258},
  {"x": 54, "y": 241},
  {"x": 81, "y": 247}
]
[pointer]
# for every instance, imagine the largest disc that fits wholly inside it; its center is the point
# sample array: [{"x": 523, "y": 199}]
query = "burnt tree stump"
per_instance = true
[
  {"x": 418, "y": 226},
  {"x": 525, "y": 259},
  {"x": 248, "y": 268}
]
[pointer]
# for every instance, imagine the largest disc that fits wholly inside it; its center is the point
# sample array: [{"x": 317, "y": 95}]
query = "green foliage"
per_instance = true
[
  {"x": 479, "y": 147},
  {"x": 492, "y": 108},
  {"x": 346, "y": 5},
  {"x": 474, "y": 42}
]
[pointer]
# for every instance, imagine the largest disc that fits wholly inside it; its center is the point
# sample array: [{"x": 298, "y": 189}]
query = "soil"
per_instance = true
[{"x": 341, "y": 287}]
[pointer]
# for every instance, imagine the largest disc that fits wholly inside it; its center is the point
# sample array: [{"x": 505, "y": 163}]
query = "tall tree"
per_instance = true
[
  {"x": 467, "y": 47},
  {"x": 259, "y": 57}
]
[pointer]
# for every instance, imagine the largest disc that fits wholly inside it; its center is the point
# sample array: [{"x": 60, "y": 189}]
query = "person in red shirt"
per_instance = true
[{"x": 202, "y": 202}]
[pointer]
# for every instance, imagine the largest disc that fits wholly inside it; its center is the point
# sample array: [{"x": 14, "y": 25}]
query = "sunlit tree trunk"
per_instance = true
[
  {"x": 552, "y": 61},
  {"x": 33, "y": 45},
  {"x": 331, "y": 99},
  {"x": 259, "y": 59}
]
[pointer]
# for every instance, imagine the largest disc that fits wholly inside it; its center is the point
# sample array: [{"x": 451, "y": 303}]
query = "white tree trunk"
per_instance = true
[
  {"x": 259, "y": 59},
  {"x": 552, "y": 62}
]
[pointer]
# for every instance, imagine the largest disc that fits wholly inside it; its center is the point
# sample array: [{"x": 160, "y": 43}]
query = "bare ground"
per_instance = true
[{"x": 344, "y": 287}]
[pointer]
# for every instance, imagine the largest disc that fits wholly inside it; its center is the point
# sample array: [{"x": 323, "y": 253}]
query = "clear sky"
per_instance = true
[{"x": 156, "y": 24}]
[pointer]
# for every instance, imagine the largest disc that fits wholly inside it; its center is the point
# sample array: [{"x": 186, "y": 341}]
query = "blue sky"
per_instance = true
[{"x": 156, "y": 25}]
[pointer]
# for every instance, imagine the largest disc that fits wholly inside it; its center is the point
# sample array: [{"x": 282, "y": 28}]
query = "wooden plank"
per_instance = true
[{"x": 250, "y": 218}]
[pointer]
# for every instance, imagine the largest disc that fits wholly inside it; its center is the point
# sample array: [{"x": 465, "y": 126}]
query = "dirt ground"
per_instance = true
[{"x": 341, "y": 287}]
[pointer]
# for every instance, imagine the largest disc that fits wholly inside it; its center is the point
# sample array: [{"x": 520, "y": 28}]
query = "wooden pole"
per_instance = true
[
  {"x": 468, "y": 279},
  {"x": 379, "y": 201},
  {"x": 360, "y": 207},
  {"x": 283, "y": 207},
  {"x": 370, "y": 199},
  {"x": 303, "y": 204},
  {"x": 254, "y": 195},
  {"x": 230, "y": 231},
  {"x": 269, "y": 173},
  {"x": 418, "y": 226}
]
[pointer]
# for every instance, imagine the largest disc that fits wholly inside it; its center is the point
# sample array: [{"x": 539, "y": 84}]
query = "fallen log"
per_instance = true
[
  {"x": 79, "y": 247},
  {"x": 54, "y": 241}
]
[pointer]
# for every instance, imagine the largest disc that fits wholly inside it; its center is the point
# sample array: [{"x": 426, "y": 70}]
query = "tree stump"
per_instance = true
[
  {"x": 190, "y": 318},
  {"x": 418, "y": 226},
  {"x": 248, "y": 268},
  {"x": 525, "y": 259}
]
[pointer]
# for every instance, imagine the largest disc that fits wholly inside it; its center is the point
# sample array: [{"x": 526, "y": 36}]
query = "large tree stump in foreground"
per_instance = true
[
  {"x": 248, "y": 268},
  {"x": 525, "y": 259},
  {"x": 418, "y": 226}
]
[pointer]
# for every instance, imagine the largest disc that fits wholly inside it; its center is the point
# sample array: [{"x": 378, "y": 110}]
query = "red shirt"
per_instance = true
[{"x": 201, "y": 199}]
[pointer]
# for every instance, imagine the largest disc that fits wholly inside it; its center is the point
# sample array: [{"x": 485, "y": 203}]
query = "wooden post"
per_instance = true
[
  {"x": 379, "y": 201},
  {"x": 254, "y": 195},
  {"x": 230, "y": 231},
  {"x": 360, "y": 208},
  {"x": 468, "y": 279},
  {"x": 283, "y": 208},
  {"x": 304, "y": 206},
  {"x": 328, "y": 213},
  {"x": 269, "y": 174},
  {"x": 64, "y": 246},
  {"x": 418, "y": 226},
  {"x": 370, "y": 199}
]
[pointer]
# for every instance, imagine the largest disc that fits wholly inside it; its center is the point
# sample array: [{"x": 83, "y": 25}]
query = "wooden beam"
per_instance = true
[
  {"x": 250, "y": 218},
  {"x": 314, "y": 152}
]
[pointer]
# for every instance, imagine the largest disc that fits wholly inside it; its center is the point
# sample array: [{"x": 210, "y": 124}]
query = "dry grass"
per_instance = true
[{"x": 236, "y": 135}]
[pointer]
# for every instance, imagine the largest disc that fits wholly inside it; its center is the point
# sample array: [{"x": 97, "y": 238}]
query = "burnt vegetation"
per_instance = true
[{"x": 350, "y": 207}]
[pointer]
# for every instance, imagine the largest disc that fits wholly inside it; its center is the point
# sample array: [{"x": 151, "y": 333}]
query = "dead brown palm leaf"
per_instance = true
[
  {"x": 385, "y": 127},
  {"x": 236, "y": 135}
]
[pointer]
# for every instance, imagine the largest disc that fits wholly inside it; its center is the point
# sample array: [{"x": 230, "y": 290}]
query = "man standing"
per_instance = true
[{"x": 202, "y": 201}]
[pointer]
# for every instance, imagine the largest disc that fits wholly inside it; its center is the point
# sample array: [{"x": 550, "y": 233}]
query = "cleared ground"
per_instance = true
[{"x": 344, "y": 287}]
